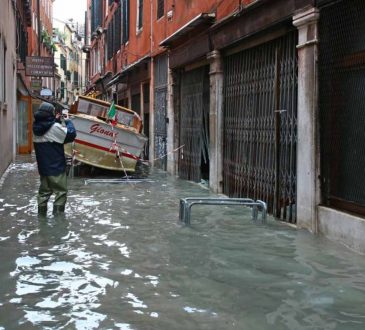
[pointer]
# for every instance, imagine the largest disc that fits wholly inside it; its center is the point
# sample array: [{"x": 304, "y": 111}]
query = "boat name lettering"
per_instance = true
[{"x": 96, "y": 128}]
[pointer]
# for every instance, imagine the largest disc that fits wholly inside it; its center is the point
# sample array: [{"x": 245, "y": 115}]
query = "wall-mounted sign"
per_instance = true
[
  {"x": 36, "y": 84},
  {"x": 38, "y": 66}
]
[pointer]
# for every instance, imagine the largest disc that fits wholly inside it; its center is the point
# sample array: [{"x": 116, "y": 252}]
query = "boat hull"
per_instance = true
[{"x": 101, "y": 145}]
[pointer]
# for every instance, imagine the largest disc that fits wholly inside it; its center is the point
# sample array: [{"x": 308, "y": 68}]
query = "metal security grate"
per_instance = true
[
  {"x": 258, "y": 82},
  {"x": 160, "y": 109},
  {"x": 194, "y": 130},
  {"x": 342, "y": 104}
]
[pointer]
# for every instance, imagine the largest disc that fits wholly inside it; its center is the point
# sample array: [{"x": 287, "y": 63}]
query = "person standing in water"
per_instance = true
[{"x": 49, "y": 136}]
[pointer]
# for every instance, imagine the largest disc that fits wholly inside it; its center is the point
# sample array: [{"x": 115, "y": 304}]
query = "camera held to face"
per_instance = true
[{"x": 65, "y": 114}]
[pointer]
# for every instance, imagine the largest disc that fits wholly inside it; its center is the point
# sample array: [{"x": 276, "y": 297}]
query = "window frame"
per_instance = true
[
  {"x": 125, "y": 21},
  {"x": 139, "y": 18},
  {"x": 160, "y": 9}
]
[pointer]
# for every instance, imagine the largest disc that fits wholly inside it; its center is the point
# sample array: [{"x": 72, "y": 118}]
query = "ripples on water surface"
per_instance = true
[{"x": 120, "y": 260}]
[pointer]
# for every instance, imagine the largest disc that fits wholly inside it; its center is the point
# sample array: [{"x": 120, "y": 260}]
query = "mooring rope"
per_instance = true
[
  {"x": 169, "y": 153},
  {"x": 117, "y": 150},
  {"x": 119, "y": 153}
]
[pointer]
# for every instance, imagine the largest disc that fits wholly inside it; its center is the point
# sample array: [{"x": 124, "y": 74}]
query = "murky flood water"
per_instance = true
[{"x": 119, "y": 259}]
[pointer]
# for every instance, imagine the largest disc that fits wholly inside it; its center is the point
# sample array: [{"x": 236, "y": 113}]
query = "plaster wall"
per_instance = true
[{"x": 7, "y": 104}]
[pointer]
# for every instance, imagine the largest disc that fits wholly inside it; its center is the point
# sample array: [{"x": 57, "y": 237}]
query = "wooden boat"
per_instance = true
[{"x": 113, "y": 146}]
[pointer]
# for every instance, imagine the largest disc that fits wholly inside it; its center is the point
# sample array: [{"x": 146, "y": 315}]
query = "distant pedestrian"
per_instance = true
[{"x": 49, "y": 136}]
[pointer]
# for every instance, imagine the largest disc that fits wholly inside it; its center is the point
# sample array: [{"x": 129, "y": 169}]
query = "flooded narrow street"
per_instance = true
[{"x": 119, "y": 259}]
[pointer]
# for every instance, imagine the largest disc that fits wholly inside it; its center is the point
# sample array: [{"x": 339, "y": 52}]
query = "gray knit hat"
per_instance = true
[{"x": 46, "y": 110}]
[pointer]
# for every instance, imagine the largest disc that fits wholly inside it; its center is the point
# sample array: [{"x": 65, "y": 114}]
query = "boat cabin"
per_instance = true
[{"x": 99, "y": 109}]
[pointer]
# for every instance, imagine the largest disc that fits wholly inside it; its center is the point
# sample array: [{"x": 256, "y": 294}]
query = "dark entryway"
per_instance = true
[{"x": 194, "y": 125}]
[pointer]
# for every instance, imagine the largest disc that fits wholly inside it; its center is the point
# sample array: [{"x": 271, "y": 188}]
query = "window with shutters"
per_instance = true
[
  {"x": 160, "y": 8},
  {"x": 62, "y": 89},
  {"x": 22, "y": 39},
  {"x": 96, "y": 14},
  {"x": 93, "y": 16},
  {"x": 117, "y": 30},
  {"x": 76, "y": 79},
  {"x": 139, "y": 15},
  {"x": 125, "y": 22},
  {"x": 63, "y": 62}
]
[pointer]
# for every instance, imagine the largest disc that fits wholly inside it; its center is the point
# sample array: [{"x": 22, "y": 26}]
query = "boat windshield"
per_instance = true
[
  {"x": 90, "y": 108},
  {"x": 100, "y": 110},
  {"x": 125, "y": 118}
]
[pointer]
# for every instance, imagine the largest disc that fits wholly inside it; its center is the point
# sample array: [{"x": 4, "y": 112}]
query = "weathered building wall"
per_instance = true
[
  {"x": 7, "y": 84},
  {"x": 35, "y": 41},
  {"x": 238, "y": 26},
  {"x": 205, "y": 43},
  {"x": 179, "y": 13},
  {"x": 145, "y": 38},
  {"x": 45, "y": 11}
]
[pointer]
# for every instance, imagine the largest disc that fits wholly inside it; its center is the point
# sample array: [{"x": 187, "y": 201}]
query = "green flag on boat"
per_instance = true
[{"x": 112, "y": 114}]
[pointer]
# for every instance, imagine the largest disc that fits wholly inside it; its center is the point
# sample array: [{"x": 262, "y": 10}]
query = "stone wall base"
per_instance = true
[{"x": 342, "y": 227}]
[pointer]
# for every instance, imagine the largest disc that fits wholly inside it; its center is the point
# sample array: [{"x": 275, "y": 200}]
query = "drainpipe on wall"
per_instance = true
[
  {"x": 152, "y": 99},
  {"x": 15, "y": 119},
  {"x": 39, "y": 27}
]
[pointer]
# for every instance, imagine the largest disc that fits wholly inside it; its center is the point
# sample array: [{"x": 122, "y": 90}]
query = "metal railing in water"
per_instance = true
[
  {"x": 116, "y": 181},
  {"x": 187, "y": 203}
]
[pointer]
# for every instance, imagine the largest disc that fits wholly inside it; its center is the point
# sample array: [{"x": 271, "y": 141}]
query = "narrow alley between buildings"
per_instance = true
[{"x": 120, "y": 259}]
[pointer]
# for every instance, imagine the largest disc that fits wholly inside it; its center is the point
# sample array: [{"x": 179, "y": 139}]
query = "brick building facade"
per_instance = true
[{"x": 230, "y": 93}]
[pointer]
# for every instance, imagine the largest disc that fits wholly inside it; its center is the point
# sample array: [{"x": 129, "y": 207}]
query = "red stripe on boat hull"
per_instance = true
[{"x": 95, "y": 146}]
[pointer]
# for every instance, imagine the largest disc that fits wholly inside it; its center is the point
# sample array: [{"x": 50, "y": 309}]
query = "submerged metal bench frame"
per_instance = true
[
  {"x": 187, "y": 203},
  {"x": 115, "y": 181}
]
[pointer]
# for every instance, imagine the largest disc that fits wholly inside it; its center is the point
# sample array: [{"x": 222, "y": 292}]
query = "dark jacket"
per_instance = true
[{"x": 49, "y": 136}]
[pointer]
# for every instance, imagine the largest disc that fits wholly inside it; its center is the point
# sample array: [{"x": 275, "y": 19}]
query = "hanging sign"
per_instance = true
[
  {"x": 38, "y": 66},
  {"x": 36, "y": 84},
  {"x": 46, "y": 92}
]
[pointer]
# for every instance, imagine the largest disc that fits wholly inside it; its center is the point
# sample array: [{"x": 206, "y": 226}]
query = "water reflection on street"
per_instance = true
[{"x": 119, "y": 259}]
